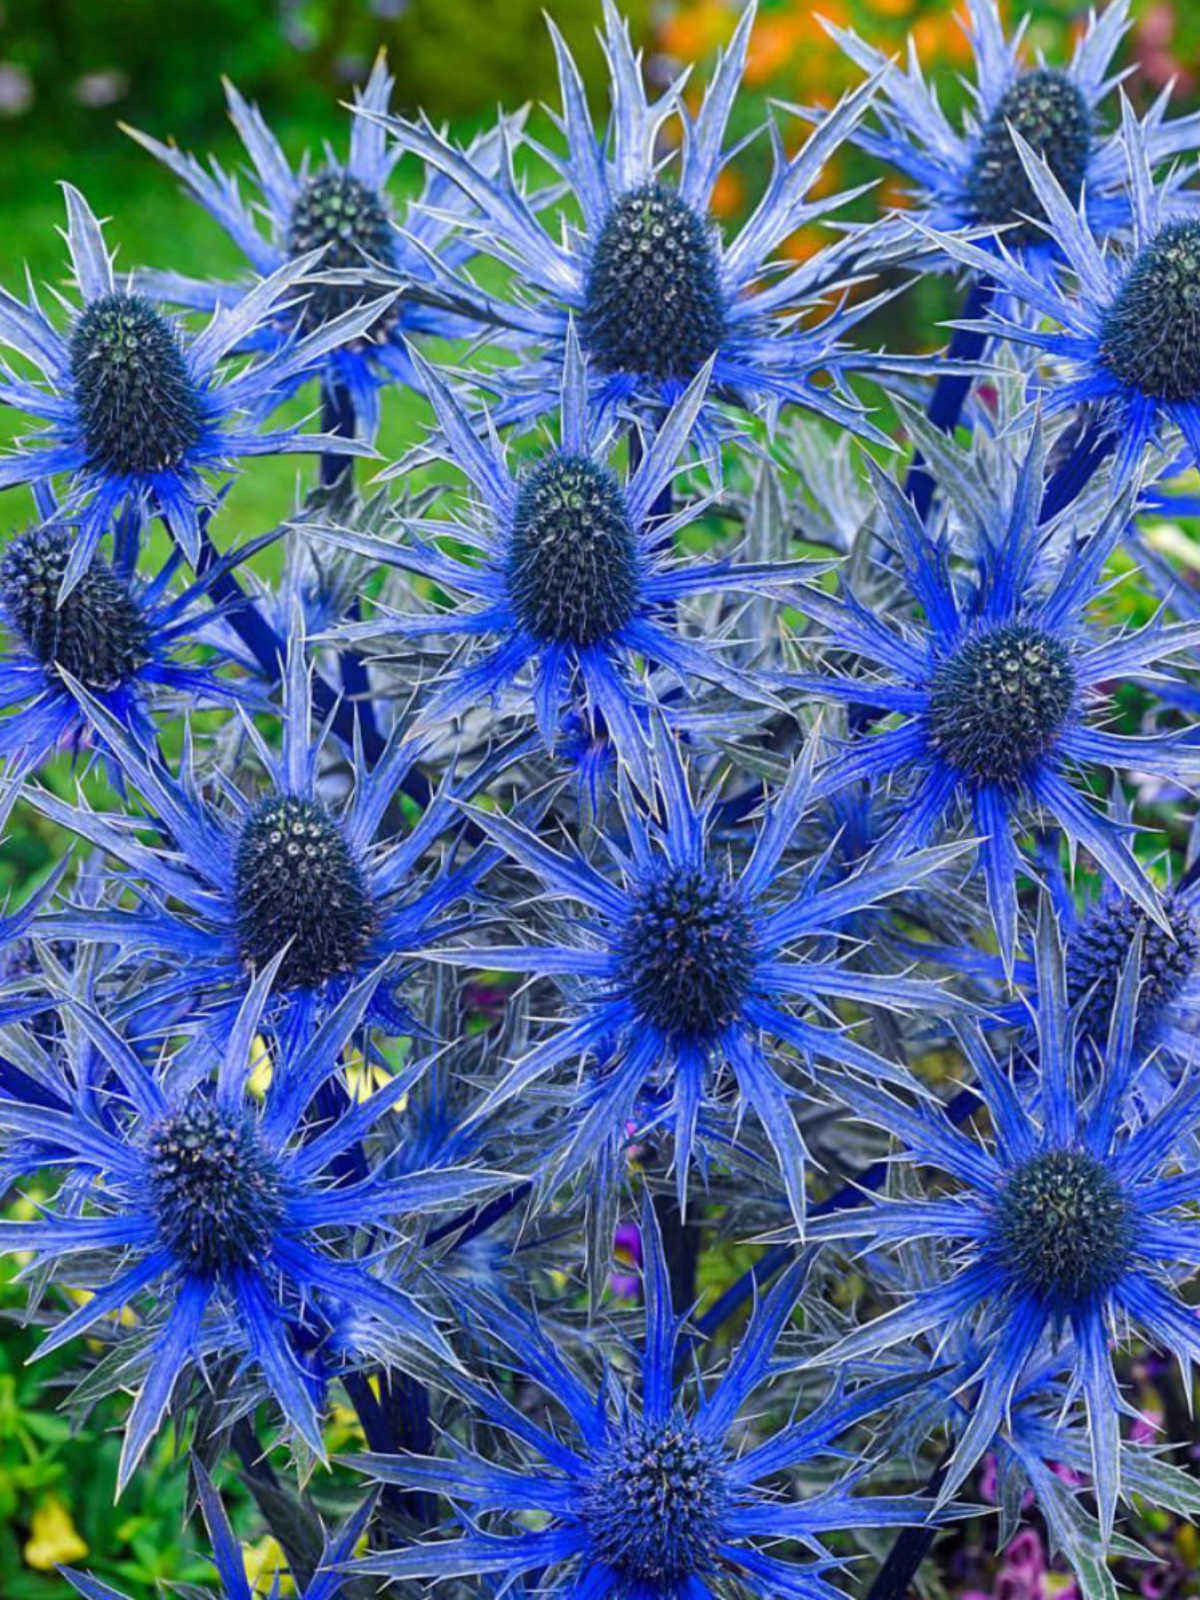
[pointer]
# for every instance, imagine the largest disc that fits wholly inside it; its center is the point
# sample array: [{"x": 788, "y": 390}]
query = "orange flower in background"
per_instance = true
[
  {"x": 892, "y": 194},
  {"x": 804, "y": 243},
  {"x": 692, "y": 32},
  {"x": 729, "y": 194},
  {"x": 942, "y": 38},
  {"x": 772, "y": 43}
]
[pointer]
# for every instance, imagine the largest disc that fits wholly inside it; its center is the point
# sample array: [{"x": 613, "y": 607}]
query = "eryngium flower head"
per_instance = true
[
  {"x": 287, "y": 872},
  {"x": 649, "y": 1499},
  {"x": 340, "y": 219},
  {"x": 135, "y": 409},
  {"x": 1098, "y": 944},
  {"x": 569, "y": 575},
  {"x": 998, "y": 682},
  {"x": 1072, "y": 1217},
  {"x": 1119, "y": 332},
  {"x": 647, "y": 279},
  {"x": 294, "y": 869},
  {"x": 118, "y": 635},
  {"x": 973, "y": 176},
  {"x": 682, "y": 960},
  {"x": 228, "y": 1217}
]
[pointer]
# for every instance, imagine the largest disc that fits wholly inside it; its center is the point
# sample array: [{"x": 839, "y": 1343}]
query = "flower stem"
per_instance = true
[
  {"x": 681, "y": 1247},
  {"x": 398, "y": 1421},
  {"x": 950, "y": 392},
  {"x": 911, "y": 1546},
  {"x": 269, "y": 652},
  {"x": 1071, "y": 477},
  {"x": 339, "y": 419},
  {"x": 292, "y": 1522}
]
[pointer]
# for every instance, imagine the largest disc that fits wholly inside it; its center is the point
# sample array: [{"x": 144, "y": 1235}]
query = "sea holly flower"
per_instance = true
[
  {"x": 654, "y": 291},
  {"x": 566, "y": 572},
  {"x": 1071, "y": 1220},
  {"x": 120, "y": 635},
  {"x": 231, "y": 1217},
  {"x": 136, "y": 410},
  {"x": 642, "y": 1497},
  {"x": 972, "y": 177},
  {"x": 341, "y": 210},
  {"x": 245, "y": 877},
  {"x": 999, "y": 691},
  {"x": 1119, "y": 332},
  {"x": 684, "y": 959}
]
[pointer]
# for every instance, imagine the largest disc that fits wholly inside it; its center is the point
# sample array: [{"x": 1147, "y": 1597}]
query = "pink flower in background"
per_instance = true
[
  {"x": 1025, "y": 1574},
  {"x": 1147, "y": 1426},
  {"x": 627, "y": 1247},
  {"x": 1152, "y": 46}
]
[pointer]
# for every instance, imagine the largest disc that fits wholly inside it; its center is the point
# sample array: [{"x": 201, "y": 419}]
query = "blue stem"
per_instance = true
[
  {"x": 1095, "y": 444},
  {"x": 338, "y": 418},
  {"x": 269, "y": 652},
  {"x": 950, "y": 393}
]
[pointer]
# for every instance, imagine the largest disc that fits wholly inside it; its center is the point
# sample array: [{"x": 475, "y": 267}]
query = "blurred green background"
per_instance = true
[{"x": 70, "y": 70}]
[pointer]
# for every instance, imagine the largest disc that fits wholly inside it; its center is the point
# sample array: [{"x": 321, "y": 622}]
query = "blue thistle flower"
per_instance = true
[
  {"x": 118, "y": 634},
  {"x": 649, "y": 1500},
  {"x": 232, "y": 1215},
  {"x": 284, "y": 871},
  {"x": 576, "y": 580},
  {"x": 687, "y": 960},
  {"x": 326, "y": 1583},
  {"x": 1071, "y": 1218},
  {"x": 1121, "y": 335},
  {"x": 135, "y": 410},
  {"x": 973, "y": 177},
  {"x": 999, "y": 692},
  {"x": 652, "y": 288},
  {"x": 342, "y": 210}
]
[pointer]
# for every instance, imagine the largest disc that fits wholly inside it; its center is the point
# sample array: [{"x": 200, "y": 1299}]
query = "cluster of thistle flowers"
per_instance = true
[{"x": 621, "y": 817}]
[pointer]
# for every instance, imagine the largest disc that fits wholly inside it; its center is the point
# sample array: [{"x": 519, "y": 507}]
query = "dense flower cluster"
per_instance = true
[{"x": 640, "y": 813}]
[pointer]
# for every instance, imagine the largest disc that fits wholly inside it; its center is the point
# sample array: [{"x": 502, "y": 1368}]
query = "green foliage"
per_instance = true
[
  {"x": 452, "y": 57},
  {"x": 53, "y": 1480}
]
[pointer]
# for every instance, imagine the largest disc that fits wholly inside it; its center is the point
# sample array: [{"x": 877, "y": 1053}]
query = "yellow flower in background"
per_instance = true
[
  {"x": 53, "y": 1538},
  {"x": 363, "y": 1080},
  {"x": 259, "y": 1080}
]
